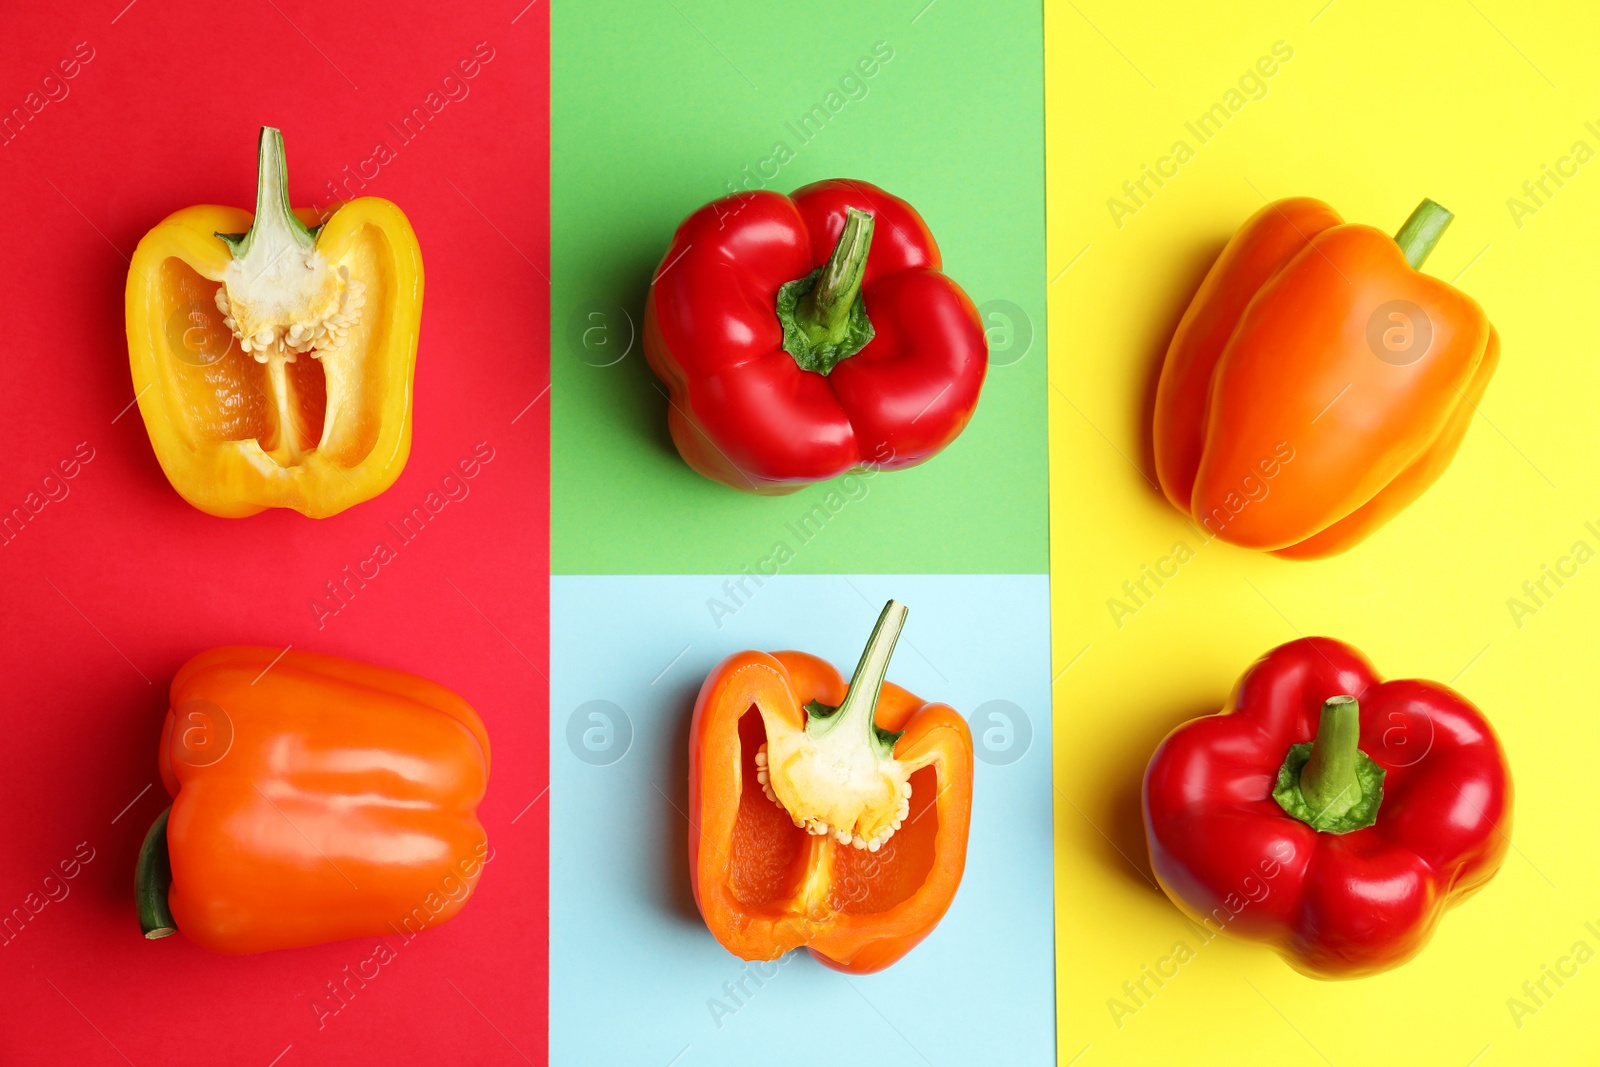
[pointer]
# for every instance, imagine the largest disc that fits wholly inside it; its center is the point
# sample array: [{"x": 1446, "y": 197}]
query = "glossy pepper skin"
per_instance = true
[
  {"x": 1318, "y": 382},
  {"x": 742, "y": 409},
  {"x": 313, "y": 799},
  {"x": 1334, "y": 904},
  {"x": 764, "y": 885},
  {"x": 316, "y": 431}
]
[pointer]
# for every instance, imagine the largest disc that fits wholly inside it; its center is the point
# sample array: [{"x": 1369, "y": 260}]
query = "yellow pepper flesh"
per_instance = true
[{"x": 236, "y": 436}]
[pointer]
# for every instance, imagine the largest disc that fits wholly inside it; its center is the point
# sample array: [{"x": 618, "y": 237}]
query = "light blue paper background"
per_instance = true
[{"x": 632, "y": 967}]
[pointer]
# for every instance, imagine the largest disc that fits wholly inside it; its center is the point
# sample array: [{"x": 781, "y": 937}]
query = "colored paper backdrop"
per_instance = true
[
  {"x": 628, "y": 656},
  {"x": 658, "y": 109},
  {"x": 111, "y": 581},
  {"x": 1370, "y": 107}
]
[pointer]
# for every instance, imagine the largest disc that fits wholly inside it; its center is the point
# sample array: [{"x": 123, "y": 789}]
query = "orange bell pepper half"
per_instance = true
[
  {"x": 313, "y": 799},
  {"x": 825, "y": 816},
  {"x": 1318, "y": 382}
]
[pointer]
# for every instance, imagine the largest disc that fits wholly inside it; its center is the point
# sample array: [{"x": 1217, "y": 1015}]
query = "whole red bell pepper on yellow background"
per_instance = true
[
  {"x": 272, "y": 357},
  {"x": 1327, "y": 813},
  {"x": 802, "y": 337},
  {"x": 1318, "y": 382},
  {"x": 313, "y": 799},
  {"x": 821, "y": 815}
]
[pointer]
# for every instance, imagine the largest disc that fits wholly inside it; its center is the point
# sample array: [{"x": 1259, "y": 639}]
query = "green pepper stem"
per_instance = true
[
  {"x": 151, "y": 879},
  {"x": 824, "y": 313},
  {"x": 860, "y": 706},
  {"x": 274, "y": 216},
  {"x": 1422, "y": 231},
  {"x": 1328, "y": 781}
]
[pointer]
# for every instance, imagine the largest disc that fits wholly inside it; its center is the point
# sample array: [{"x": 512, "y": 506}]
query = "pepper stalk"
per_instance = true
[
  {"x": 823, "y": 316},
  {"x": 281, "y": 296},
  {"x": 1328, "y": 783},
  {"x": 1421, "y": 232},
  {"x": 838, "y": 775},
  {"x": 152, "y": 877}
]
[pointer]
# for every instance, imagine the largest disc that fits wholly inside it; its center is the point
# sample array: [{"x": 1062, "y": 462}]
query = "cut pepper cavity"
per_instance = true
[
  {"x": 222, "y": 305},
  {"x": 825, "y": 815}
]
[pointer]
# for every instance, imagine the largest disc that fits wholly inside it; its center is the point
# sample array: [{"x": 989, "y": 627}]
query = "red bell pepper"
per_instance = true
[
  {"x": 1332, "y": 815},
  {"x": 804, "y": 337}
]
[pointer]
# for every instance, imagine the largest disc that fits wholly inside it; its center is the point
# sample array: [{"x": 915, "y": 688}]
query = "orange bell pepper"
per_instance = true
[
  {"x": 1318, "y": 382},
  {"x": 822, "y": 816},
  {"x": 272, "y": 357},
  {"x": 313, "y": 799}
]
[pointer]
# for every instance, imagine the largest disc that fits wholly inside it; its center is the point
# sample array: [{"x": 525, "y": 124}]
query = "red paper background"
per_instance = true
[{"x": 109, "y": 589}]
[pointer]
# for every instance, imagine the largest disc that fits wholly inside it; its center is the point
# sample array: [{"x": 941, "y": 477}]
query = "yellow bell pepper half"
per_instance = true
[{"x": 273, "y": 359}]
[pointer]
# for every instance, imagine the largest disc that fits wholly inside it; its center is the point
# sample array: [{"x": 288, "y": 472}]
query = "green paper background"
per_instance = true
[{"x": 656, "y": 108}]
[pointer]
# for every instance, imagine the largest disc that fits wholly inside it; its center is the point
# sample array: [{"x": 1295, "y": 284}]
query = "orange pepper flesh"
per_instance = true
[
  {"x": 316, "y": 798},
  {"x": 764, "y": 885},
  {"x": 1273, "y": 358}
]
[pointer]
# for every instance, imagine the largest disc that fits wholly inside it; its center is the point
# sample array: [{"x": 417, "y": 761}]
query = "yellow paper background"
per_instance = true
[{"x": 1380, "y": 105}]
